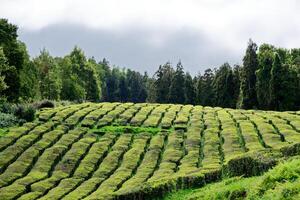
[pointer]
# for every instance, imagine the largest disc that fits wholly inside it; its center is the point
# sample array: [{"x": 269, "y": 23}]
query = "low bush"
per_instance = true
[
  {"x": 44, "y": 104},
  {"x": 8, "y": 120},
  {"x": 6, "y": 107},
  {"x": 25, "y": 112}
]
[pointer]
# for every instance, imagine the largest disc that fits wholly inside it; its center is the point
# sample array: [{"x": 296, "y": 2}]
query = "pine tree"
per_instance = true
[
  {"x": 247, "y": 97},
  {"x": 92, "y": 82},
  {"x": 190, "y": 90},
  {"x": 207, "y": 92},
  {"x": 112, "y": 85},
  {"x": 275, "y": 83},
  {"x": 223, "y": 86},
  {"x": 263, "y": 76},
  {"x": 144, "y": 92},
  {"x": 151, "y": 90},
  {"x": 177, "y": 93},
  {"x": 164, "y": 76},
  {"x": 283, "y": 86},
  {"x": 104, "y": 72},
  {"x": 29, "y": 79},
  {"x": 236, "y": 84},
  {"x": 123, "y": 89},
  {"x": 198, "y": 82}
]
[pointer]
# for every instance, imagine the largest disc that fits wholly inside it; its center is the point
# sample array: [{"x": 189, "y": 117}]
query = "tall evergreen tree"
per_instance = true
[
  {"x": 112, "y": 85},
  {"x": 162, "y": 83},
  {"x": 223, "y": 86},
  {"x": 123, "y": 89},
  {"x": 236, "y": 83},
  {"x": 198, "y": 82},
  {"x": 92, "y": 82},
  {"x": 104, "y": 74},
  {"x": 283, "y": 86},
  {"x": 177, "y": 93},
  {"x": 144, "y": 92},
  {"x": 151, "y": 90},
  {"x": 206, "y": 91},
  {"x": 137, "y": 87},
  {"x": 276, "y": 83},
  {"x": 190, "y": 90},
  {"x": 295, "y": 62},
  {"x": 30, "y": 87},
  {"x": 248, "y": 98},
  {"x": 263, "y": 76}
]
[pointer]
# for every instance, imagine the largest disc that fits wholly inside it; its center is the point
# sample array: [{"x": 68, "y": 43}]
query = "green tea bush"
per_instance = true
[
  {"x": 130, "y": 162},
  {"x": 141, "y": 151},
  {"x": 106, "y": 168}
]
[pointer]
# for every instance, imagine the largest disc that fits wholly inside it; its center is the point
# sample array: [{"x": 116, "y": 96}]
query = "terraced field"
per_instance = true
[{"x": 139, "y": 151}]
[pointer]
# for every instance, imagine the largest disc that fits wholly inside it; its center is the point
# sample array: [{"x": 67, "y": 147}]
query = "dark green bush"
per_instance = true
[
  {"x": 25, "y": 112},
  {"x": 44, "y": 104},
  {"x": 6, "y": 107},
  {"x": 13, "y": 114}
]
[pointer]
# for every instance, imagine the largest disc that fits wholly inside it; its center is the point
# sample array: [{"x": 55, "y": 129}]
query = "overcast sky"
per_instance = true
[{"x": 142, "y": 34}]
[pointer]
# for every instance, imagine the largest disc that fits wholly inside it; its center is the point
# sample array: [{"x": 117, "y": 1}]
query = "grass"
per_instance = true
[
  {"x": 128, "y": 129},
  {"x": 282, "y": 182}
]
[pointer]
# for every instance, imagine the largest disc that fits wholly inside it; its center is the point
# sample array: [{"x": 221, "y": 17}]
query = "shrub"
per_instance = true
[
  {"x": 26, "y": 112},
  {"x": 44, "y": 104},
  {"x": 6, "y": 107},
  {"x": 7, "y": 120}
]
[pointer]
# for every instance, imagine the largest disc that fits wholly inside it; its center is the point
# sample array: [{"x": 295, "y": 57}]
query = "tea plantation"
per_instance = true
[{"x": 139, "y": 151}]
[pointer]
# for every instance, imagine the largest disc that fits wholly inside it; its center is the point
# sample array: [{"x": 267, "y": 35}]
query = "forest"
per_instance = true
[{"x": 268, "y": 78}]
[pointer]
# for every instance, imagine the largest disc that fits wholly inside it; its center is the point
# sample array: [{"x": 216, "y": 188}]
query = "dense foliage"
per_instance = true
[
  {"x": 269, "y": 78},
  {"x": 105, "y": 151}
]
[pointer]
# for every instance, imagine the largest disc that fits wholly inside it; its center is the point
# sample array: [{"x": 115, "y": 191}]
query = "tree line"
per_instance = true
[{"x": 269, "y": 78}]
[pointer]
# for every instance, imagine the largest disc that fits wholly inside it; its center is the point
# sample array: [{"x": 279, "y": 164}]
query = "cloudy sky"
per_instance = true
[{"x": 142, "y": 34}]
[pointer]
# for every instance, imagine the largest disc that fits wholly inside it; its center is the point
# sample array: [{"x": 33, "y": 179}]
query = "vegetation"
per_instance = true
[
  {"x": 8, "y": 120},
  {"x": 267, "y": 79},
  {"x": 126, "y": 129},
  {"x": 66, "y": 131},
  {"x": 144, "y": 151},
  {"x": 282, "y": 182}
]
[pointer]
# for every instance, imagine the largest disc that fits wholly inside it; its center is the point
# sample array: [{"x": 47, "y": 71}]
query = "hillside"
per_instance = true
[
  {"x": 282, "y": 182},
  {"x": 139, "y": 151}
]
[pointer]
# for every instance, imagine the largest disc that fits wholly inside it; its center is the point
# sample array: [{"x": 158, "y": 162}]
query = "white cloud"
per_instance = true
[{"x": 230, "y": 23}]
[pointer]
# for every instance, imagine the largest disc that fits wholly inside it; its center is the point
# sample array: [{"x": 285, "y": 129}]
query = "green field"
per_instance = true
[{"x": 142, "y": 151}]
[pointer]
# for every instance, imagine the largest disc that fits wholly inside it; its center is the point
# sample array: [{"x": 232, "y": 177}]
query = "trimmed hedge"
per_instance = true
[{"x": 57, "y": 157}]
